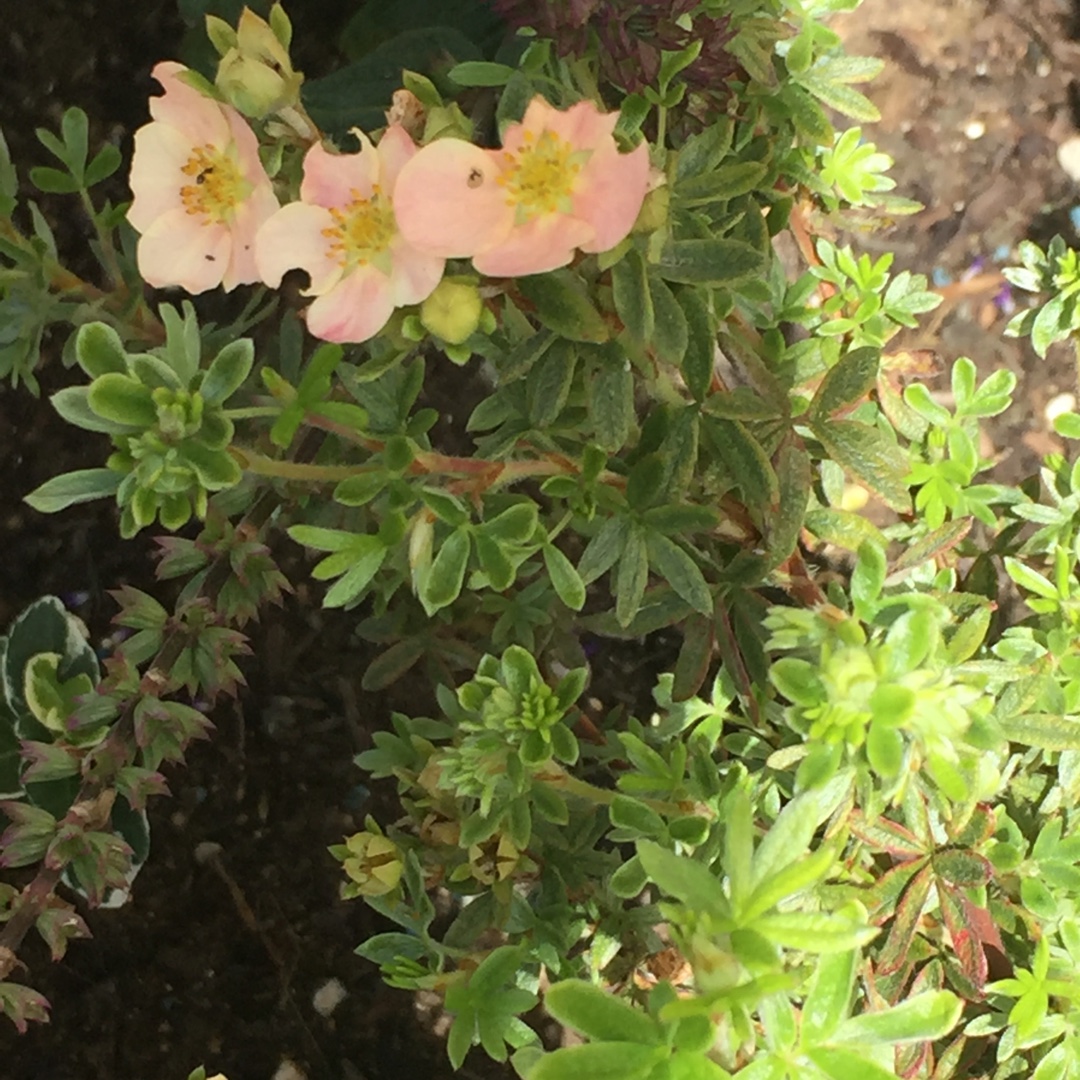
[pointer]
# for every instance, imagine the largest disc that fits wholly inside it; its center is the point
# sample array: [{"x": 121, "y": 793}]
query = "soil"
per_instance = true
[{"x": 217, "y": 957}]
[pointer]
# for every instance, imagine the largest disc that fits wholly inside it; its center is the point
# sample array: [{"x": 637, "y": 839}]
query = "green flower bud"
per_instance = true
[
  {"x": 256, "y": 75},
  {"x": 452, "y": 312}
]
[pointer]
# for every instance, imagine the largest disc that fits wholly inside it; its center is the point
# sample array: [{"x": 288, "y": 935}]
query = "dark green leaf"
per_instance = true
[
  {"x": 633, "y": 298},
  {"x": 680, "y": 571},
  {"x": 710, "y": 262},
  {"x": 611, "y": 405},
  {"x": 560, "y": 300},
  {"x": 872, "y": 458},
  {"x": 846, "y": 383},
  {"x": 632, "y": 576}
]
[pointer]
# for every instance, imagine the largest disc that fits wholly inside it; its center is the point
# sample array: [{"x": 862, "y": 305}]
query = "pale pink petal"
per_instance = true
[
  {"x": 414, "y": 274},
  {"x": 292, "y": 239},
  {"x": 584, "y": 126},
  {"x": 177, "y": 250},
  {"x": 250, "y": 216},
  {"x": 355, "y": 309},
  {"x": 395, "y": 149},
  {"x": 331, "y": 179},
  {"x": 447, "y": 200},
  {"x": 545, "y": 243},
  {"x": 199, "y": 118},
  {"x": 609, "y": 194},
  {"x": 247, "y": 146},
  {"x": 156, "y": 178}
]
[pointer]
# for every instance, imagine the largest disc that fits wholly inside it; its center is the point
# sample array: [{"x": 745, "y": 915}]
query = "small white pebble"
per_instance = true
[
  {"x": 1044, "y": 67},
  {"x": 328, "y": 997},
  {"x": 974, "y": 129},
  {"x": 288, "y": 1071},
  {"x": 1057, "y": 406},
  {"x": 1068, "y": 155}
]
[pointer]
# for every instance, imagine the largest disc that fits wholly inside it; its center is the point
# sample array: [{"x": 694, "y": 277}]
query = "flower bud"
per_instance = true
[
  {"x": 256, "y": 75},
  {"x": 452, "y": 312},
  {"x": 374, "y": 862},
  {"x": 493, "y": 860}
]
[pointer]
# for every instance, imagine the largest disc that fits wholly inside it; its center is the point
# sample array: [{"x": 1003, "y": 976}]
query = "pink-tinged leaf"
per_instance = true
[
  {"x": 888, "y": 836},
  {"x": 881, "y": 897},
  {"x": 906, "y": 922},
  {"x": 966, "y": 869},
  {"x": 60, "y": 924},
  {"x": 20, "y": 1005},
  {"x": 957, "y": 912}
]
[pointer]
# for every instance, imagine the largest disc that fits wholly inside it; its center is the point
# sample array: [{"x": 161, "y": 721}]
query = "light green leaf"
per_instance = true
[{"x": 71, "y": 488}]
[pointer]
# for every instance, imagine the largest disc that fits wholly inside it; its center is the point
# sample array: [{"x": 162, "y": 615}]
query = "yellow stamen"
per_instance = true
[
  {"x": 540, "y": 177},
  {"x": 362, "y": 229},
  {"x": 218, "y": 188}
]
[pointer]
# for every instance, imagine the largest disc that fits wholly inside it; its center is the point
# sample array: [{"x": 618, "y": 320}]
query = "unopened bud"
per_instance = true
[
  {"x": 452, "y": 312},
  {"x": 256, "y": 75}
]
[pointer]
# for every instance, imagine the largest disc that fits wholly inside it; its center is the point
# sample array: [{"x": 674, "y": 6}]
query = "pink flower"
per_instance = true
[
  {"x": 201, "y": 192},
  {"x": 559, "y": 183},
  {"x": 344, "y": 234}
]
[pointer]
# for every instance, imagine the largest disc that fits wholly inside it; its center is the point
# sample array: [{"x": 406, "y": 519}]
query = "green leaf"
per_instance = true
[
  {"x": 99, "y": 350},
  {"x": 1030, "y": 579},
  {"x": 680, "y": 571},
  {"x": 688, "y": 881},
  {"x": 560, "y": 300},
  {"x": 122, "y": 399},
  {"x": 227, "y": 371},
  {"x": 599, "y": 1014},
  {"x": 1044, "y": 730},
  {"x": 480, "y": 73},
  {"x": 829, "y": 997},
  {"x": 700, "y": 353},
  {"x": 840, "y": 1064},
  {"x": 813, "y": 932},
  {"x": 746, "y": 461},
  {"x": 611, "y": 405},
  {"x": 599, "y": 1061},
  {"x": 564, "y": 578},
  {"x": 922, "y": 1018},
  {"x": 603, "y": 549},
  {"x": 367, "y": 560},
  {"x": 710, "y": 262},
  {"x": 71, "y": 488},
  {"x": 846, "y": 383},
  {"x": 671, "y": 334},
  {"x": 725, "y": 182},
  {"x": 53, "y": 181},
  {"x": 75, "y": 129},
  {"x": 443, "y": 582},
  {"x": 549, "y": 383},
  {"x": 632, "y": 576},
  {"x": 635, "y": 817},
  {"x": 867, "y": 454},
  {"x": 514, "y": 525},
  {"x": 105, "y": 162},
  {"x": 633, "y": 298},
  {"x": 73, "y": 404},
  {"x": 785, "y": 522}
]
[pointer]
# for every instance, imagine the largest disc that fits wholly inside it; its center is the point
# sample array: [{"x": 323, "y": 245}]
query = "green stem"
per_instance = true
[
  {"x": 251, "y": 412},
  {"x": 582, "y": 789}
]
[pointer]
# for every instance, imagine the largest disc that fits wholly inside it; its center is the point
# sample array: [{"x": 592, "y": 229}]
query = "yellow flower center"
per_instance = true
[
  {"x": 362, "y": 230},
  {"x": 218, "y": 185},
  {"x": 540, "y": 177}
]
